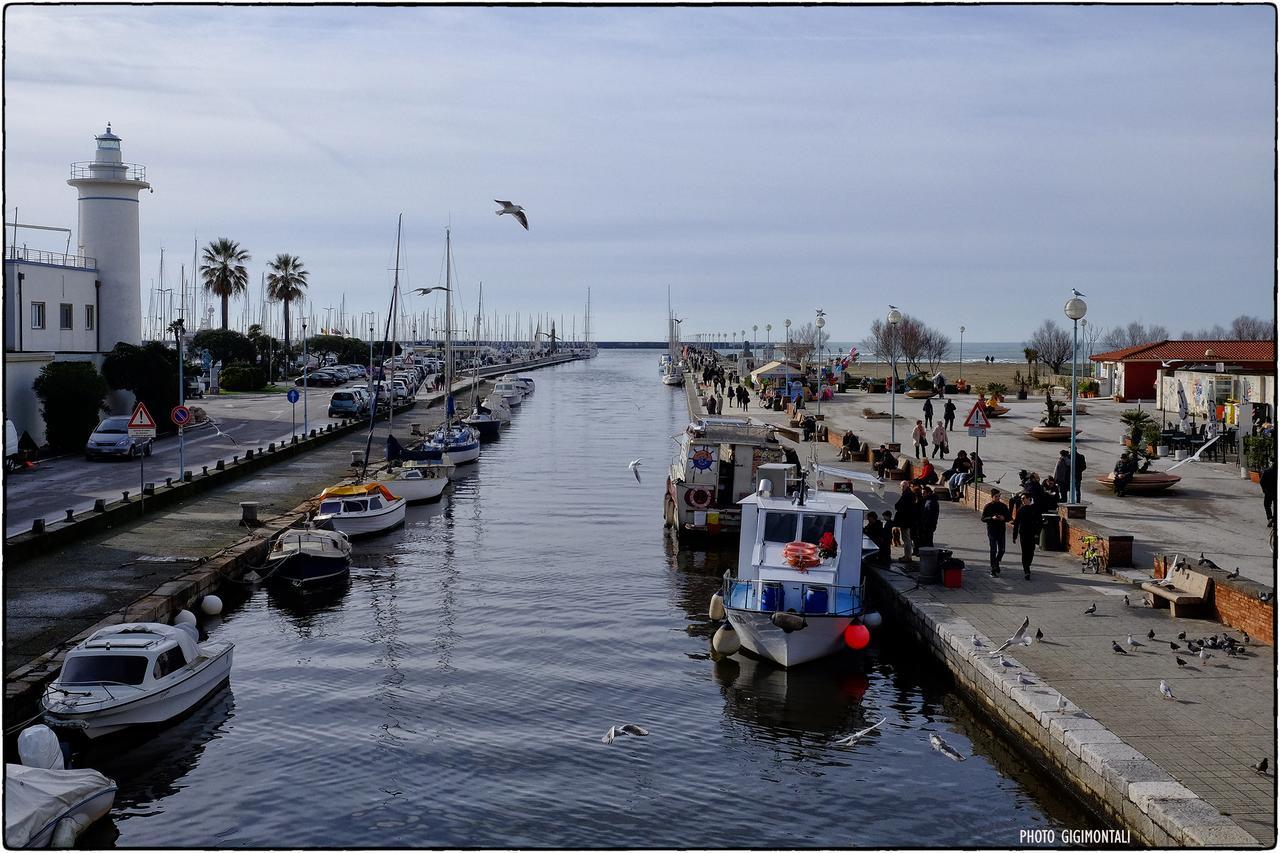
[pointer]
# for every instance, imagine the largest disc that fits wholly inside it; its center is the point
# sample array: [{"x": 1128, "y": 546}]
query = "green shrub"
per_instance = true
[
  {"x": 1088, "y": 386},
  {"x": 1151, "y": 434},
  {"x": 1259, "y": 452},
  {"x": 919, "y": 382},
  {"x": 996, "y": 389},
  {"x": 242, "y": 377},
  {"x": 72, "y": 394}
]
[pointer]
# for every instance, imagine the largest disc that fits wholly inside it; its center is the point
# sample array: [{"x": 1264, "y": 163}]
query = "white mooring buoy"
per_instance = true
[
  {"x": 872, "y": 619},
  {"x": 211, "y": 605},
  {"x": 725, "y": 641},
  {"x": 184, "y": 616}
]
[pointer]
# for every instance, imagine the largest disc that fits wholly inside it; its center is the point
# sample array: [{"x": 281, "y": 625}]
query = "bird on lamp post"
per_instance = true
[
  {"x": 894, "y": 318},
  {"x": 961, "y": 376},
  {"x": 1075, "y": 310},
  {"x": 787, "y": 325}
]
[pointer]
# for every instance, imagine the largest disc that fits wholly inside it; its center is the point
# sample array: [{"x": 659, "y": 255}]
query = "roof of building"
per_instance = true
[{"x": 1197, "y": 351}]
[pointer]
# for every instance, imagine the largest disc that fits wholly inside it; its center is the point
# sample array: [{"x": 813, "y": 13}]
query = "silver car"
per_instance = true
[{"x": 111, "y": 438}]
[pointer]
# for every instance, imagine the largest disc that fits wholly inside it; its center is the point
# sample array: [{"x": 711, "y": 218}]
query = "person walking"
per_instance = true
[
  {"x": 928, "y": 412},
  {"x": 1062, "y": 474},
  {"x": 940, "y": 448},
  {"x": 1267, "y": 479},
  {"x": 1079, "y": 470},
  {"x": 744, "y": 399},
  {"x": 1026, "y": 523},
  {"x": 929, "y": 511},
  {"x": 995, "y": 515},
  {"x": 918, "y": 438},
  {"x": 719, "y": 402},
  {"x": 905, "y": 513},
  {"x": 949, "y": 414}
]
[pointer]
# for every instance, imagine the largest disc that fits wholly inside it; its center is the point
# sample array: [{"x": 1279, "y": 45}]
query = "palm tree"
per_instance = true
[
  {"x": 285, "y": 283},
  {"x": 223, "y": 271}
]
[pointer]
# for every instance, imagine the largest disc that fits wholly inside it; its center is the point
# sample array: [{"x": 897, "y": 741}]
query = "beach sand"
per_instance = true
[{"x": 975, "y": 373}]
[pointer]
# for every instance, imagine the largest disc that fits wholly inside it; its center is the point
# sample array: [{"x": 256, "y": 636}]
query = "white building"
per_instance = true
[{"x": 61, "y": 306}]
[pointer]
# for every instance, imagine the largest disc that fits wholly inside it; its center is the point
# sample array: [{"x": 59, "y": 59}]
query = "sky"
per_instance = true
[{"x": 970, "y": 165}]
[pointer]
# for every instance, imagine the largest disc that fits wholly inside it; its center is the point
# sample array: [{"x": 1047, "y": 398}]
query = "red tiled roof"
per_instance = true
[{"x": 1235, "y": 352}]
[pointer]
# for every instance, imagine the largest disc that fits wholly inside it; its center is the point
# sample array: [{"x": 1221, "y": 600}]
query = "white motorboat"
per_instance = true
[
  {"x": 486, "y": 424},
  {"x": 133, "y": 674},
  {"x": 51, "y": 807},
  {"x": 799, "y": 581},
  {"x": 308, "y": 558},
  {"x": 360, "y": 510},
  {"x": 715, "y": 467},
  {"x": 524, "y": 383},
  {"x": 418, "y": 482},
  {"x": 510, "y": 391},
  {"x": 497, "y": 406}
]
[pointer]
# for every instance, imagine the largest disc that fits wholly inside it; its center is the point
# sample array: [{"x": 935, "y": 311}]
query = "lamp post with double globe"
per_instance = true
[
  {"x": 1074, "y": 309},
  {"x": 820, "y": 322},
  {"x": 894, "y": 318}
]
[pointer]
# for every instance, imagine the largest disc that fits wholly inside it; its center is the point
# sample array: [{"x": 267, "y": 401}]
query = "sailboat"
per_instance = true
[
  {"x": 670, "y": 363},
  {"x": 452, "y": 442},
  {"x": 486, "y": 424}
]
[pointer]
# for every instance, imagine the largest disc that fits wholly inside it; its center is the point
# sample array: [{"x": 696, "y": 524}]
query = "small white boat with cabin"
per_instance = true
[
  {"x": 799, "y": 580},
  {"x": 360, "y": 510},
  {"x": 510, "y": 391},
  {"x": 133, "y": 674},
  {"x": 524, "y": 383},
  {"x": 417, "y": 481},
  {"x": 715, "y": 467}
]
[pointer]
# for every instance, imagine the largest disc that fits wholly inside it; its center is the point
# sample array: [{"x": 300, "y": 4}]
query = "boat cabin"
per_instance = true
[
  {"x": 311, "y": 541},
  {"x": 784, "y": 563},
  {"x": 717, "y": 466},
  {"x": 135, "y": 654}
]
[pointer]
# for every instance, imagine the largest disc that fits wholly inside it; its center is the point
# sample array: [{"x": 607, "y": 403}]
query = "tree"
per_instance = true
[
  {"x": 918, "y": 344},
  {"x": 223, "y": 271},
  {"x": 806, "y": 341},
  {"x": 1052, "y": 345},
  {"x": 1120, "y": 337},
  {"x": 1246, "y": 328},
  {"x": 270, "y": 354},
  {"x": 225, "y": 345},
  {"x": 72, "y": 395},
  {"x": 150, "y": 371},
  {"x": 285, "y": 282}
]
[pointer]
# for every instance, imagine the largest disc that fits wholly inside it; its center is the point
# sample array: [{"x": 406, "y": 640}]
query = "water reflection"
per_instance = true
[{"x": 823, "y": 697}]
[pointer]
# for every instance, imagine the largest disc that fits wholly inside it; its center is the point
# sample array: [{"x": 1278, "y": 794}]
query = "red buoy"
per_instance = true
[{"x": 857, "y": 636}]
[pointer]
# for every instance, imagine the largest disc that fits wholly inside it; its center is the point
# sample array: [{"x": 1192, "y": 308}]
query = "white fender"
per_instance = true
[
  {"x": 716, "y": 610},
  {"x": 211, "y": 605},
  {"x": 726, "y": 640}
]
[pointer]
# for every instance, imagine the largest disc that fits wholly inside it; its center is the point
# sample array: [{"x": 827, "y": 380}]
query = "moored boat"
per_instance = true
[
  {"x": 715, "y": 467},
  {"x": 133, "y": 674},
  {"x": 360, "y": 510},
  {"x": 453, "y": 443},
  {"x": 50, "y": 807},
  {"x": 418, "y": 482},
  {"x": 799, "y": 579},
  {"x": 485, "y": 423},
  {"x": 309, "y": 558},
  {"x": 510, "y": 391}
]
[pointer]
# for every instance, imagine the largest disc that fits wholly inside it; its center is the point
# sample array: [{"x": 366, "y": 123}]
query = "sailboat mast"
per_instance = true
[
  {"x": 448, "y": 323},
  {"x": 395, "y": 299}
]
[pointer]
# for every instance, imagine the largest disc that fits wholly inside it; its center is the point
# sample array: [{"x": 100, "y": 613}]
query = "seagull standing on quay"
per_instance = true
[
  {"x": 635, "y": 468},
  {"x": 515, "y": 210},
  {"x": 1164, "y": 689}
]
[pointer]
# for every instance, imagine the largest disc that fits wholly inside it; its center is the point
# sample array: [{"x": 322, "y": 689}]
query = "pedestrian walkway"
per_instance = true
[{"x": 1223, "y": 717}]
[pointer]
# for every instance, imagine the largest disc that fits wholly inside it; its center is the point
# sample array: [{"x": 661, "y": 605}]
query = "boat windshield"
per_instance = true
[
  {"x": 779, "y": 526},
  {"x": 91, "y": 669},
  {"x": 813, "y": 526},
  {"x": 354, "y": 506},
  {"x": 330, "y": 507}
]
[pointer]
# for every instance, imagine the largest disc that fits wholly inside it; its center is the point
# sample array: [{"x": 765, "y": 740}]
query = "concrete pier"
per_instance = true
[{"x": 1174, "y": 772}]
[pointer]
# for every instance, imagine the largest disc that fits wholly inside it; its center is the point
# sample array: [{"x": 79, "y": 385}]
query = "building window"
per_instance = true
[
  {"x": 64, "y": 315},
  {"x": 88, "y": 318},
  {"x": 37, "y": 315}
]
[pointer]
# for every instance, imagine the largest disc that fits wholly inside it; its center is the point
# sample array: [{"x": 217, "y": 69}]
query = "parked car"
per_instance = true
[
  {"x": 12, "y": 455},
  {"x": 400, "y": 389},
  {"x": 345, "y": 404},
  {"x": 111, "y": 438}
]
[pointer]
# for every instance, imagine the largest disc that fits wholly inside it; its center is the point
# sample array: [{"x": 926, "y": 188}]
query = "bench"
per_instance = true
[
  {"x": 901, "y": 471},
  {"x": 1188, "y": 591}
]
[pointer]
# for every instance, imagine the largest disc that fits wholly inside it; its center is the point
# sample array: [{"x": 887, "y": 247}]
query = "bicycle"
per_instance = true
[{"x": 1092, "y": 558}]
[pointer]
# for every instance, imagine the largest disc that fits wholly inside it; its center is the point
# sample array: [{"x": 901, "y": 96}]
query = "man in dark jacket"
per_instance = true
[
  {"x": 1026, "y": 523},
  {"x": 1125, "y": 468},
  {"x": 929, "y": 511},
  {"x": 1079, "y": 472},
  {"x": 905, "y": 515},
  {"x": 949, "y": 415},
  {"x": 995, "y": 515},
  {"x": 928, "y": 412},
  {"x": 1062, "y": 474}
]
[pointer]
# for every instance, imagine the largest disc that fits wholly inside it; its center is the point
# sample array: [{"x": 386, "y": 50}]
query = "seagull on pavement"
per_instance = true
[
  {"x": 1204, "y": 656},
  {"x": 1133, "y": 644},
  {"x": 1093, "y": 608},
  {"x": 1062, "y": 703},
  {"x": 515, "y": 210},
  {"x": 635, "y": 468},
  {"x": 1260, "y": 767},
  {"x": 853, "y": 738},
  {"x": 1115, "y": 647},
  {"x": 1164, "y": 690}
]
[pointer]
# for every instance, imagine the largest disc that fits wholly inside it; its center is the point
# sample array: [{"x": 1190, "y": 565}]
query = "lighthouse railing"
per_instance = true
[
  {"x": 57, "y": 259},
  {"x": 119, "y": 171}
]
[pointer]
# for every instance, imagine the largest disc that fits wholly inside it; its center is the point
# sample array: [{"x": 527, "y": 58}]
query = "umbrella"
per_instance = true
[{"x": 1182, "y": 407}]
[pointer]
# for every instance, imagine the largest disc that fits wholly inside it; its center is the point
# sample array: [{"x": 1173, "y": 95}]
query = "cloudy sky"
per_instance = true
[{"x": 968, "y": 164}]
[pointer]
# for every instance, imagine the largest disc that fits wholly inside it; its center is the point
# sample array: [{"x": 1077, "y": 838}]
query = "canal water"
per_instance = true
[{"x": 455, "y": 694}]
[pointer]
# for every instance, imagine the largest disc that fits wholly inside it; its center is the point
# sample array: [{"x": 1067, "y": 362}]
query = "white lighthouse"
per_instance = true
[{"x": 108, "y": 220}]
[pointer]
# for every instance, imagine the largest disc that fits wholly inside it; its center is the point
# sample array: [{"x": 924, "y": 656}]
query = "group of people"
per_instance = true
[
  {"x": 911, "y": 523},
  {"x": 1026, "y": 511},
  {"x": 738, "y": 395}
]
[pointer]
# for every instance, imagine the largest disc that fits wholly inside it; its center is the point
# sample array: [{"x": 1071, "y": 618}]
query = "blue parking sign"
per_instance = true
[
  {"x": 293, "y": 395},
  {"x": 206, "y": 360}
]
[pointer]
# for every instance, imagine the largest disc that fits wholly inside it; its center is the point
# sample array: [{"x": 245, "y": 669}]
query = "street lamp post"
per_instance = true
[
  {"x": 894, "y": 318},
  {"x": 961, "y": 376},
  {"x": 176, "y": 326},
  {"x": 306, "y": 364},
  {"x": 787, "y": 325},
  {"x": 820, "y": 322},
  {"x": 1075, "y": 309},
  {"x": 768, "y": 337}
]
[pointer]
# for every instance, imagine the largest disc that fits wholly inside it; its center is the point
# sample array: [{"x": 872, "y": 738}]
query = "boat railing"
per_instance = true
[{"x": 769, "y": 596}]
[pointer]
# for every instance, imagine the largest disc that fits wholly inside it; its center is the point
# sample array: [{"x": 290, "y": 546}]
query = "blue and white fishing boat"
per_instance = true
[
  {"x": 453, "y": 443},
  {"x": 799, "y": 580}
]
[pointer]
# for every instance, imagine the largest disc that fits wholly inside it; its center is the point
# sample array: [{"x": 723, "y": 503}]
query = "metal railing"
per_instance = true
[
  {"x": 749, "y": 595},
  {"x": 93, "y": 169},
  {"x": 39, "y": 256}
]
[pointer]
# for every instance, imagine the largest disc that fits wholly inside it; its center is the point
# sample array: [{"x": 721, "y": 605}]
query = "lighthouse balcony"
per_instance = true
[
  {"x": 53, "y": 259},
  {"x": 94, "y": 169}
]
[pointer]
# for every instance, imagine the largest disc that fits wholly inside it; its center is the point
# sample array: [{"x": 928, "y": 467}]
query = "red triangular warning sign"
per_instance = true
[
  {"x": 978, "y": 417},
  {"x": 141, "y": 418}
]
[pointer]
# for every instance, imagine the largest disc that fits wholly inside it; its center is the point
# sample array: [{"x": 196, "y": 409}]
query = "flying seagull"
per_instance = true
[
  {"x": 1019, "y": 636},
  {"x": 625, "y": 729},
  {"x": 635, "y": 468},
  {"x": 945, "y": 748},
  {"x": 515, "y": 210},
  {"x": 1164, "y": 690},
  {"x": 853, "y": 738},
  {"x": 218, "y": 430},
  {"x": 1195, "y": 457}
]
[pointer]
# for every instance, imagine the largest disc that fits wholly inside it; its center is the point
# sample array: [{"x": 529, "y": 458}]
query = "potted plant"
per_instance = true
[
  {"x": 1259, "y": 454},
  {"x": 1135, "y": 421},
  {"x": 996, "y": 392},
  {"x": 1051, "y": 428},
  {"x": 1088, "y": 387},
  {"x": 1021, "y": 382},
  {"x": 1151, "y": 438}
]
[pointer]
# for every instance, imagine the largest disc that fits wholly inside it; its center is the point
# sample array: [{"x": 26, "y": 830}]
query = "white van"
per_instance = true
[{"x": 10, "y": 445}]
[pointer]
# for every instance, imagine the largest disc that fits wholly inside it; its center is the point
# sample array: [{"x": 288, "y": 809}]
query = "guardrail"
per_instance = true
[
  {"x": 59, "y": 259},
  {"x": 834, "y": 600},
  {"x": 117, "y": 171}
]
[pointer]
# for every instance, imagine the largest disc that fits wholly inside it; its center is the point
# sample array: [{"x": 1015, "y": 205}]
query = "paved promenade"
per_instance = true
[{"x": 1223, "y": 718}]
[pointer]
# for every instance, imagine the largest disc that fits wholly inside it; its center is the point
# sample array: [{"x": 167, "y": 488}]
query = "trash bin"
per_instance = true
[
  {"x": 1050, "y": 533},
  {"x": 929, "y": 571}
]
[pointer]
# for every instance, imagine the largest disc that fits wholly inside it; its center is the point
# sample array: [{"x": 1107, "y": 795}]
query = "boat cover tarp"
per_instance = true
[
  {"x": 184, "y": 640},
  {"x": 358, "y": 490},
  {"x": 34, "y": 798},
  {"x": 396, "y": 450}
]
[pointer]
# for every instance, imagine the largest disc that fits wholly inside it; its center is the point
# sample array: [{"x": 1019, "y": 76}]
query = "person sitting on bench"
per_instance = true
[
  {"x": 960, "y": 473},
  {"x": 882, "y": 460},
  {"x": 928, "y": 474},
  {"x": 848, "y": 446}
]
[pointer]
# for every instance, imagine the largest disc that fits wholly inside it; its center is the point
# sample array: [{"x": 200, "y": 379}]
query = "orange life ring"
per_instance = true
[
  {"x": 801, "y": 555},
  {"x": 698, "y": 498}
]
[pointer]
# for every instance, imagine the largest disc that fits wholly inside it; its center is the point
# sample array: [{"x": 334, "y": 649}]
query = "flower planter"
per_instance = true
[
  {"x": 1048, "y": 433},
  {"x": 921, "y": 394},
  {"x": 1150, "y": 483},
  {"x": 1255, "y": 476},
  {"x": 997, "y": 411}
]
